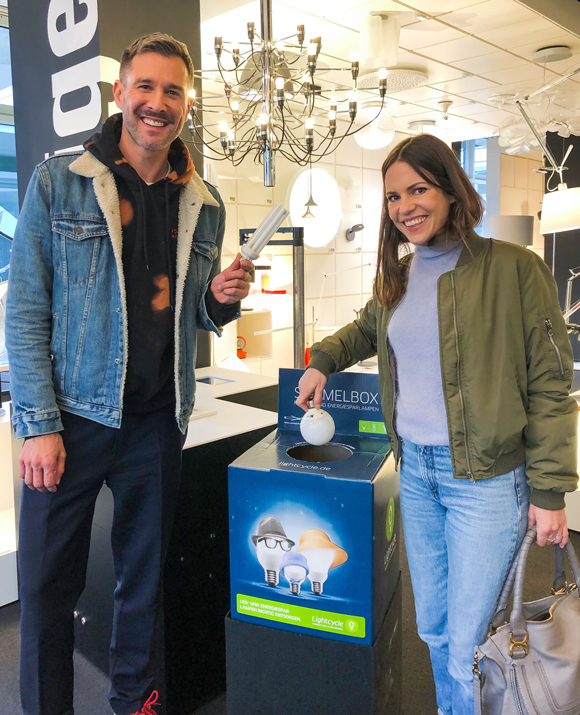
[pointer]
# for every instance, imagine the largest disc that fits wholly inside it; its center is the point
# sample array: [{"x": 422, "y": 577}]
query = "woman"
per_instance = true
[{"x": 475, "y": 368}]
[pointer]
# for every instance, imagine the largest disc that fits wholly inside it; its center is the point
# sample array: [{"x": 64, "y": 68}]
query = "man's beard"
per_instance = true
[{"x": 132, "y": 123}]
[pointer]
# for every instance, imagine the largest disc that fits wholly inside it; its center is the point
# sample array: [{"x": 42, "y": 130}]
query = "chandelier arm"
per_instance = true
[{"x": 201, "y": 145}]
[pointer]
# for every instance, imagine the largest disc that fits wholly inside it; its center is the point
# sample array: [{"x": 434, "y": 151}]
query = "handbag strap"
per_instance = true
[
  {"x": 500, "y": 615},
  {"x": 519, "y": 632}
]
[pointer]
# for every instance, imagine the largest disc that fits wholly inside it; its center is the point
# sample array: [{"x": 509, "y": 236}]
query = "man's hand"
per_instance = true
[
  {"x": 310, "y": 386},
  {"x": 551, "y": 525},
  {"x": 42, "y": 462},
  {"x": 233, "y": 283}
]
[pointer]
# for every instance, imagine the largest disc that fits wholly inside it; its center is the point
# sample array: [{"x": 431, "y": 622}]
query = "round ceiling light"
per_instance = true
[
  {"x": 398, "y": 79},
  {"x": 379, "y": 131},
  {"x": 316, "y": 191},
  {"x": 553, "y": 53}
]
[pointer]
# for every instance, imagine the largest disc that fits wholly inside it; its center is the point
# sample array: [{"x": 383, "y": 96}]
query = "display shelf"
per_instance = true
[{"x": 257, "y": 346}]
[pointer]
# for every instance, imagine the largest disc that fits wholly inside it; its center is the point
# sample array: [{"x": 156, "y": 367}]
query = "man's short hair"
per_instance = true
[{"x": 160, "y": 44}]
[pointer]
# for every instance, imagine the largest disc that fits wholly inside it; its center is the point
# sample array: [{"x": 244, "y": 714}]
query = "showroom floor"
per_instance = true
[{"x": 418, "y": 689}]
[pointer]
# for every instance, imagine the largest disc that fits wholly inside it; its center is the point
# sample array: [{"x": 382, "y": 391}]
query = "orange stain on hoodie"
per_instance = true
[
  {"x": 161, "y": 300},
  {"x": 127, "y": 212}
]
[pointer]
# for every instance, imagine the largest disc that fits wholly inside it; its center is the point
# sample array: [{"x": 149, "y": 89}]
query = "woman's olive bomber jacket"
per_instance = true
[{"x": 506, "y": 366}]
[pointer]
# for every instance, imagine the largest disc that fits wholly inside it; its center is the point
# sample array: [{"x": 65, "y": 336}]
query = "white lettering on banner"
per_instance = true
[
  {"x": 85, "y": 74},
  {"x": 74, "y": 35},
  {"x": 81, "y": 119},
  {"x": 109, "y": 73}
]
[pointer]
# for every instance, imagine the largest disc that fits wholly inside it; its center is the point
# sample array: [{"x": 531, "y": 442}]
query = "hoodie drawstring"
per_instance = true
[
  {"x": 143, "y": 223},
  {"x": 168, "y": 238}
]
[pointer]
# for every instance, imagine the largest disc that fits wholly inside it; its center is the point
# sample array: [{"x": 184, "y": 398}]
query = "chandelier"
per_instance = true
[{"x": 274, "y": 101}]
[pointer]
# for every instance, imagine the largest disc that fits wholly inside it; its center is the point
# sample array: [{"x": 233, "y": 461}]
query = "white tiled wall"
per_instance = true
[
  {"x": 521, "y": 191},
  {"x": 349, "y": 266}
]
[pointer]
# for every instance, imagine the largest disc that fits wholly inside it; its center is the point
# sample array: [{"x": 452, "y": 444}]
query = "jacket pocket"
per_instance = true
[
  {"x": 79, "y": 243},
  {"x": 554, "y": 350},
  {"x": 205, "y": 253}
]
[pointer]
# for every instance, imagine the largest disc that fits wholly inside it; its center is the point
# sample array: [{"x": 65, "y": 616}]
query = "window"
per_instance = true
[
  {"x": 8, "y": 178},
  {"x": 473, "y": 158}
]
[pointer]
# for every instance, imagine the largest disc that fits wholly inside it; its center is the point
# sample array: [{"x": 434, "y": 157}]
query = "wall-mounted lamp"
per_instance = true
[
  {"x": 514, "y": 229},
  {"x": 350, "y": 232}
]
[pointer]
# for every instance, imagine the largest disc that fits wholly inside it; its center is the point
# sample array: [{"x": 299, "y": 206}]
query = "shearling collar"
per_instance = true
[{"x": 89, "y": 166}]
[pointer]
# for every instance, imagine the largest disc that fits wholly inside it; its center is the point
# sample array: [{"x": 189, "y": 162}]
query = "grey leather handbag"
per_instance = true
[{"x": 530, "y": 665}]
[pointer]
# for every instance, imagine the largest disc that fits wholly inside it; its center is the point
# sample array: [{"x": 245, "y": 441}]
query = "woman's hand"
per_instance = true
[
  {"x": 551, "y": 525},
  {"x": 311, "y": 386}
]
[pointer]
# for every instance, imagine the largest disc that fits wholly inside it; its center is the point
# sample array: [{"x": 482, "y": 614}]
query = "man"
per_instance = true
[{"x": 115, "y": 264}]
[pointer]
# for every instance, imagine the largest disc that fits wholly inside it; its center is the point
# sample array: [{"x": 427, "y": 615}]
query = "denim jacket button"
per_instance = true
[
  {"x": 118, "y": 310},
  {"x": 78, "y": 229},
  {"x": 117, "y": 360}
]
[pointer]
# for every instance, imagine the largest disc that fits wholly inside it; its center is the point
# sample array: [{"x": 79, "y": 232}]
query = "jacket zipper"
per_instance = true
[
  {"x": 551, "y": 336},
  {"x": 463, "y": 415},
  {"x": 398, "y": 449}
]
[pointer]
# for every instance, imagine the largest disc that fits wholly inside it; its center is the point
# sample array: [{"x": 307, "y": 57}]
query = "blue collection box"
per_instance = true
[{"x": 314, "y": 531}]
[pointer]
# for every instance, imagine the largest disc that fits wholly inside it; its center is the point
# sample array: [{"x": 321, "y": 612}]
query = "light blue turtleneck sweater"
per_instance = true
[{"x": 414, "y": 337}]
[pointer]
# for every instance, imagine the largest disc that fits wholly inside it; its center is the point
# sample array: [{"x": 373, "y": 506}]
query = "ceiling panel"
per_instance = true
[
  {"x": 434, "y": 6},
  {"x": 489, "y": 16},
  {"x": 491, "y": 63},
  {"x": 418, "y": 94},
  {"x": 523, "y": 73},
  {"x": 466, "y": 84},
  {"x": 537, "y": 30},
  {"x": 460, "y": 106},
  {"x": 494, "y": 117},
  {"x": 437, "y": 71},
  {"x": 458, "y": 49},
  {"x": 423, "y": 34}
]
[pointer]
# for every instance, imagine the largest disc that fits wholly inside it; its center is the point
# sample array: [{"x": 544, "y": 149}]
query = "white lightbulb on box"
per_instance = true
[
  {"x": 319, "y": 561},
  {"x": 270, "y": 560},
  {"x": 317, "y": 426}
]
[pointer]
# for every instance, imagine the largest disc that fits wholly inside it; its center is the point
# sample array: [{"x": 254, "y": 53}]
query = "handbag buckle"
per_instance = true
[
  {"x": 476, "y": 670},
  {"x": 519, "y": 644}
]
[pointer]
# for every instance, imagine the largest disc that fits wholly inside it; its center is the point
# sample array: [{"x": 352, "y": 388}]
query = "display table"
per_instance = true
[{"x": 190, "y": 652}]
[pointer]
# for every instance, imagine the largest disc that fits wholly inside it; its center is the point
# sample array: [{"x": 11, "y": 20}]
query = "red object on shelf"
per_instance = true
[
  {"x": 306, "y": 356},
  {"x": 274, "y": 292},
  {"x": 241, "y": 353}
]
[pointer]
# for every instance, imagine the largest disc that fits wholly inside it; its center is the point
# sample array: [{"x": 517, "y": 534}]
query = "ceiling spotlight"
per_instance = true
[{"x": 445, "y": 104}]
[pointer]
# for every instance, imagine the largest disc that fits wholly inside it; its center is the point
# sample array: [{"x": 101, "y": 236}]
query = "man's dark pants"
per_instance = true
[{"x": 141, "y": 464}]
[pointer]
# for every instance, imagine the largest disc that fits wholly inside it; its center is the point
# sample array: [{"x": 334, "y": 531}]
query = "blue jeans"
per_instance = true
[{"x": 460, "y": 539}]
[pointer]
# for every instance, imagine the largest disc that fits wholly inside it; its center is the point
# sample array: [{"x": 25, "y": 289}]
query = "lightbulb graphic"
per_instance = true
[
  {"x": 295, "y": 569},
  {"x": 316, "y": 426},
  {"x": 271, "y": 544},
  {"x": 321, "y": 555}
]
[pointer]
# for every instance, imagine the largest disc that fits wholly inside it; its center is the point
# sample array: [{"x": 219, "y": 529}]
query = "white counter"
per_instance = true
[
  {"x": 236, "y": 382},
  {"x": 229, "y": 420}
]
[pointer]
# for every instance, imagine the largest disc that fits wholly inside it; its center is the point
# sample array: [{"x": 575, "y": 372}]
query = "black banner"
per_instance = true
[{"x": 65, "y": 58}]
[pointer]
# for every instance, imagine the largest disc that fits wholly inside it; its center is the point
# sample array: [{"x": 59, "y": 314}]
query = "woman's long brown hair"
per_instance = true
[{"x": 437, "y": 164}]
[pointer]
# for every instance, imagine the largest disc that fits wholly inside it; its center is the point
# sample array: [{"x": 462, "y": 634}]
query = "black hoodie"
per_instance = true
[{"x": 149, "y": 218}]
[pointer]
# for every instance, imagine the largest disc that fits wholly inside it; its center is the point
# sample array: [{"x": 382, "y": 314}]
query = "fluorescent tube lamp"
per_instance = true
[
  {"x": 560, "y": 210},
  {"x": 514, "y": 229}
]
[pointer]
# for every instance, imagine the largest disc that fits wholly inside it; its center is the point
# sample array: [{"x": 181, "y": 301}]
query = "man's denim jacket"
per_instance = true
[{"x": 66, "y": 323}]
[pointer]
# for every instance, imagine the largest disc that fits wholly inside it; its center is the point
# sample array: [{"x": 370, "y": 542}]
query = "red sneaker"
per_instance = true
[{"x": 147, "y": 708}]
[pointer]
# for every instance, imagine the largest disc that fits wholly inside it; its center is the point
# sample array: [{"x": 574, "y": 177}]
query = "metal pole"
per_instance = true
[
  {"x": 541, "y": 142},
  {"x": 298, "y": 303},
  {"x": 266, "y": 19}
]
